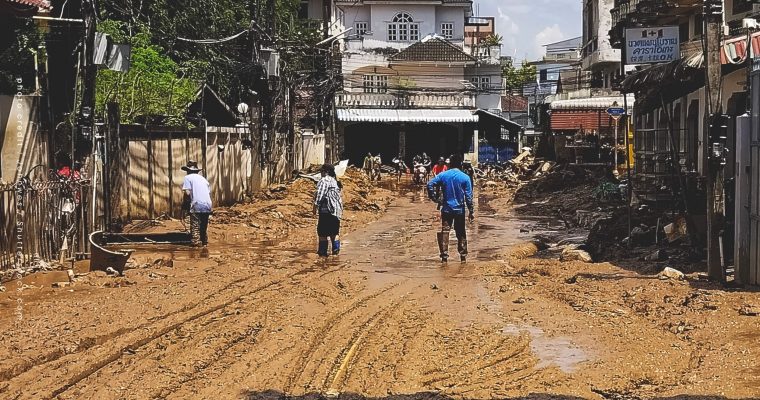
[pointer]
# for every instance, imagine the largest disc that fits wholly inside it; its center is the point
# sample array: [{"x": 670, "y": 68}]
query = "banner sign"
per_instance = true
[{"x": 652, "y": 45}]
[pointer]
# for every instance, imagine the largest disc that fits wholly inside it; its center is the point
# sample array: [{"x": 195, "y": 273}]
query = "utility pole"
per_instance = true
[
  {"x": 88, "y": 70},
  {"x": 712, "y": 170}
]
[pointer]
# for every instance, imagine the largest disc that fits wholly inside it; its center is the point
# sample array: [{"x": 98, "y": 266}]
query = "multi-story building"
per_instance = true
[
  {"x": 672, "y": 159},
  {"x": 559, "y": 57},
  {"x": 675, "y": 91},
  {"x": 412, "y": 84},
  {"x": 581, "y": 129},
  {"x": 598, "y": 55}
]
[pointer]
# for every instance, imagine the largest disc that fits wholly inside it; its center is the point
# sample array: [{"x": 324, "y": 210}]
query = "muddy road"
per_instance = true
[{"x": 267, "y": 319}]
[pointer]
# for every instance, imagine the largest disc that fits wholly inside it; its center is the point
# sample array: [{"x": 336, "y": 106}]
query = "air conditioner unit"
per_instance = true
[{"x": 270, "y": 60}]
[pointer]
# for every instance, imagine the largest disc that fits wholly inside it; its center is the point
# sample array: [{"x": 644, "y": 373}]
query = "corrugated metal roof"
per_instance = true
[
  {"x": 390, "y": 115},
  {"x": 43, "y": 4},
  {"x": 570, "y": 120},
  {"x": 591, "y": 103}
]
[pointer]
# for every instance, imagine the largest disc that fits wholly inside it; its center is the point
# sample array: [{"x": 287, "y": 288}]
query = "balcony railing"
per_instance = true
[{"x": 406, "y": 100}]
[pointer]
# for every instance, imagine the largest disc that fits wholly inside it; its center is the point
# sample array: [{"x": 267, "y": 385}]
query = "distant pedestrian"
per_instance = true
[
  {"x": 197, "y": 203},
  {"x": 328, "y": 204},
  {"x": 377, "y": 165},
  {"x": 369, "y": 165},
  {"x": 455, "y": 195},
  {"x": 440, "y": 166}
]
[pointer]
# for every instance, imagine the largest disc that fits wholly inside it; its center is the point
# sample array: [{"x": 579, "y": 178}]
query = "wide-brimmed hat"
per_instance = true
[{"x": 191, "y": 166}]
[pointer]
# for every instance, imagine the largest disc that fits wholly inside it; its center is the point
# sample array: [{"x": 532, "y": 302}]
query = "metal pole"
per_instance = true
[{"x": 615, "y": 144}]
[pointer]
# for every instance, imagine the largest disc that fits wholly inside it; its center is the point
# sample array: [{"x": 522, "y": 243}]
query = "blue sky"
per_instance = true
[{"x": 528, "y": 24}]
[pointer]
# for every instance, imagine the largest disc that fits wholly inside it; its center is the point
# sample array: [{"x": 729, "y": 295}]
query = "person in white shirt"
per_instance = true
[{"x": 197, "y": 201}]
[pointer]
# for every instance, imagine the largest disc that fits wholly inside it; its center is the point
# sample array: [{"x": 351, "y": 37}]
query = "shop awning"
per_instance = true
[
  {"x": 591, "y": 103},
  {"x": 418, "y": 115},
  {"x": 510, "y": 125}
]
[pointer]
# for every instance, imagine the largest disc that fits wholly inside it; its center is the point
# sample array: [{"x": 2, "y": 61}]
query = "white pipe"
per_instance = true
[{"x": 57, "y": 19}]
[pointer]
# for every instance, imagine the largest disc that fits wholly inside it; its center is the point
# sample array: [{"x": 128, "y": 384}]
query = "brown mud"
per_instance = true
[{"x": 258, "y": 315}]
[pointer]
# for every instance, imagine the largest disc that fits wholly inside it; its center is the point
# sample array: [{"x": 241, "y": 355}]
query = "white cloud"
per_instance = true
[
  {"x": 526, "y": 25},
  {"x": 548, "y": 35}
]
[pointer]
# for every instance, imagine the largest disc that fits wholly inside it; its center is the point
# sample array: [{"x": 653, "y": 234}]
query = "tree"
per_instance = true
[
  {"x": 19, "y": 40},
  {"x": 154, "y": 85},
  {"x": 516, "y": 78},
  {"x": 492, "y": 40}
]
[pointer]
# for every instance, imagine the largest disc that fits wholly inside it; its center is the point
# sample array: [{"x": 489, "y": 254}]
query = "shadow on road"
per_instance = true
[{"x": 277, "y": 395}]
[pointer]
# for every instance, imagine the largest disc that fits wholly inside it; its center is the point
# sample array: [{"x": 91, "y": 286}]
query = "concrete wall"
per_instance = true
[
  {"x": 23, "y": 144},
  {"x": 601, "y": 21},
  {"x": 358, "y": 14},
  {"x": 384, "y": 13},
  {"x": 491, "y": 99},
  {"x": 451, "y": 14},
  {"x": 428, "y": 16},
  {"x": 337, "y": 19}
]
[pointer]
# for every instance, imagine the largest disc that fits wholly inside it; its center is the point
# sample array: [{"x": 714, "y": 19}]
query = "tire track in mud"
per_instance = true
[
  {"x": 132, "y": 345},
  {"x": 336, "y": 378},
  {"x": 87, "y": 343},
  {"x": 303, "y": 359},
  {"x": 221, "y": 354}
]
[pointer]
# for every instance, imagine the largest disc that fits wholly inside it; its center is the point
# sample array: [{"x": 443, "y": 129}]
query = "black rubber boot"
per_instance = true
[
  {"x": 443, "y": 245},
  {"x": 322, "y": 251}
]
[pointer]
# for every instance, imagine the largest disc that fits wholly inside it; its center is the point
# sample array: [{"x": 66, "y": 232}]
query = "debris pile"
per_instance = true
[
  {"x": 514, "y": 172},
  {"x": 284, "y": 207}
]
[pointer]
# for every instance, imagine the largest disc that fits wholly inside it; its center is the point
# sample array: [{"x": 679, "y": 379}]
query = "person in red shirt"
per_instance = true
[{"x": 440, "y": 167}]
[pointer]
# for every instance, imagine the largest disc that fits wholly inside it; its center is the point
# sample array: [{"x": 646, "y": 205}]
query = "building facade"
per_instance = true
[
  {"x": 580, "y": 128},
  {"x": 411, "y": 84}
]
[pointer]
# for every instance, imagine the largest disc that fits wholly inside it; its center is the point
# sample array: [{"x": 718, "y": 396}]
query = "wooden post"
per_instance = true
[
  {"x": 711, "y": 171},
  {"x": 170, "y": 172},
  {"x": 151, "y": 204}
]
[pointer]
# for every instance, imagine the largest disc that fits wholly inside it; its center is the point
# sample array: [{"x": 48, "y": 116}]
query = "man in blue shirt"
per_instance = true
[{"x": 456, "y": 193}]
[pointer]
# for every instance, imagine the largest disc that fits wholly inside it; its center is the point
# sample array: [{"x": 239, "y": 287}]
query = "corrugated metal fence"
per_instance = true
[
  {"x": 149, "y": 177},
  {"x": 46, "y": 220}
]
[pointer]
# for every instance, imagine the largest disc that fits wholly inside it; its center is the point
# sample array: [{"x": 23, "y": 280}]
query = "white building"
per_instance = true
[{"x": 410, "y": 82}]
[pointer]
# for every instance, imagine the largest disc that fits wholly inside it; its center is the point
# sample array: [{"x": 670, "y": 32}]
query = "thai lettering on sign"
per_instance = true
[{"x": 652, "y": 45}]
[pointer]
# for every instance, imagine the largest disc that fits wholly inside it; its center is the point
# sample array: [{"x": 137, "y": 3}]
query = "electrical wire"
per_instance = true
[{"x": 213, "y": 41}]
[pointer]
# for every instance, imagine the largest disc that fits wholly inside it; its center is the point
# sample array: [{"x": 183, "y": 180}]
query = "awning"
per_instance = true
[
  {"x": 591, "y": 103},
  {"x": 510, "y": 125},
  {"x": 417, "y": 115},
  {"x": 734, "y": 50},
  {"x": 42, "y": 4}
]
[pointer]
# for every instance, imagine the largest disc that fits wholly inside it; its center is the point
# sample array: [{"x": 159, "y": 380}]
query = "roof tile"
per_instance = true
[{"x": 435, "y": 49}]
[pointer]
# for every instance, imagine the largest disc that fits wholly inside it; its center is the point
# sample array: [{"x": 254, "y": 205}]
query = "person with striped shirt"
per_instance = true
[{"x": 328, "y": 205}]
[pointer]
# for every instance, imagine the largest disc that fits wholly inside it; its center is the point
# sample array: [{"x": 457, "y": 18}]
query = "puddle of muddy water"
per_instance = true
[{"x": 551, "y": 351}]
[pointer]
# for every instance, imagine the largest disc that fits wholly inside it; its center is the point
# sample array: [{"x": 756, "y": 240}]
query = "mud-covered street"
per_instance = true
[{"x": 259, "y": 316}]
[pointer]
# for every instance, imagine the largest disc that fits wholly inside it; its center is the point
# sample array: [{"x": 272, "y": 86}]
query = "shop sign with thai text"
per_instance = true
[{"x": 652, "y": 45}]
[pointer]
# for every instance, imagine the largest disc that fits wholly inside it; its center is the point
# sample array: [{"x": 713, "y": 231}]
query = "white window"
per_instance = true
[
  {"x": 481, "y": 82},
  {"x": 375, "y": 83},
  {"x": 447, "y": 30},
  {"x": 403, "y": 29},
  {"x": 485, "y": 82},
  {"x": 361, "y": 28}
]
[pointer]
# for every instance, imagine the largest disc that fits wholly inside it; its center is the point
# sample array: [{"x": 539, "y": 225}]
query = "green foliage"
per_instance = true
[
  {"x": 607, "y": 191},
  {"x": 517, "y": 77},
  {"x": 224, "y": 66},
  {"x": 154, "y": 85},
  {"x": 20, "y": 40},
  {"x": 493, "y": 40}
]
